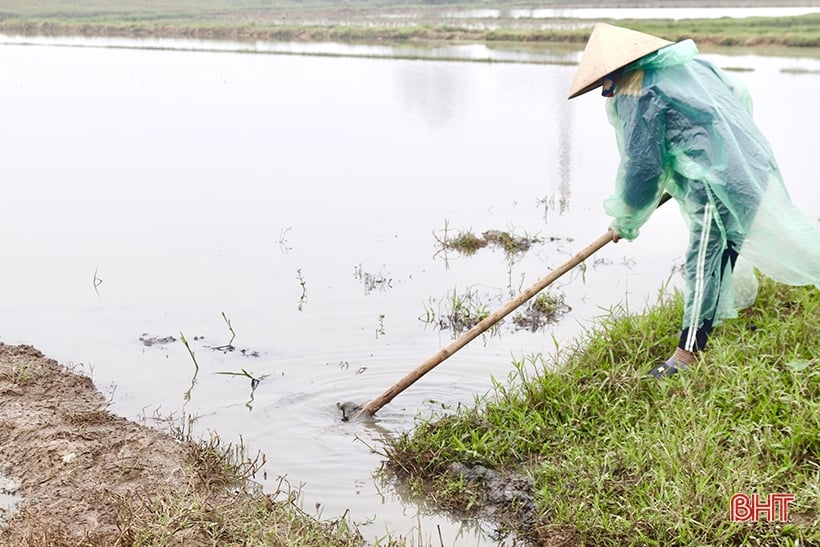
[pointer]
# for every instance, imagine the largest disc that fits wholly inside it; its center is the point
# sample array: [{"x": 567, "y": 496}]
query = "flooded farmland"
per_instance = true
[{"x": 285, "y": 215}]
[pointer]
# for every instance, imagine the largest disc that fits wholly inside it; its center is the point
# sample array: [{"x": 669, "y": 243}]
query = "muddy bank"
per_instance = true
[
  {"x": 69, "y": 458},
  {"x": 72, "y": 473}
]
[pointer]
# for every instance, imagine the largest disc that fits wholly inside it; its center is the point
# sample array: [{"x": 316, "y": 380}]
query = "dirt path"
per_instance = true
[{"x": 68, "y": 458}]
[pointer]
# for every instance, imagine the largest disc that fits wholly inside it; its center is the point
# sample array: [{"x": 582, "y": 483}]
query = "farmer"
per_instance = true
[{"x": 684, "y": 127}]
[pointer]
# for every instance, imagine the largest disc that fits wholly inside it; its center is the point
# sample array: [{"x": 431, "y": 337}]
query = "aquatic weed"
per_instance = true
[
  {"x": 542, "y": 310},
  {"x": 303, "y": 285},
  {"x": 458, "y": 311},
  {"x": 468, "y": 243}
]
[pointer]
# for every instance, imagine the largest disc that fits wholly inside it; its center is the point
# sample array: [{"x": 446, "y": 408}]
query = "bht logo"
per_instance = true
[{"x": 745, "y": 508}]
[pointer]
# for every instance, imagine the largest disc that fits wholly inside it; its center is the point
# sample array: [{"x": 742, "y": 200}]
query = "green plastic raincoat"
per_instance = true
[{"x": 685, "y": 127}]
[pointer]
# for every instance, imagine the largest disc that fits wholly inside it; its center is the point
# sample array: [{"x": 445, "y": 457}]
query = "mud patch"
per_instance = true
[
  {"x": 68, "y": 458},
  {"x": 506, "y": 497}
]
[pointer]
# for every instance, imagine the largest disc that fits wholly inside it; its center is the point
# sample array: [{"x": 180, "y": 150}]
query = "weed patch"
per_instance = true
[
  {"x": 467, "y": 243},
  {"x": 616, "y": 460},
  {"x": 223, "y": 506},
  {"x": 542, "y": 310}
]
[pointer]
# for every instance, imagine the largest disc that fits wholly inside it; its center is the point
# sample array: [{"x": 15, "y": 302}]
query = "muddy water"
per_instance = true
[{"x": 146, "y": 193}]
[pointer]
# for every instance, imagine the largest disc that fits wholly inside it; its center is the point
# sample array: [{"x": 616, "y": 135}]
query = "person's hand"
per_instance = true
[{"x": 615, "y": 237}]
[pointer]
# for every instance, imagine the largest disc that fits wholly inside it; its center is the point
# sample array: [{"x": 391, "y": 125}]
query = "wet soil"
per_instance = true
[{"x": 67, "y": 459}]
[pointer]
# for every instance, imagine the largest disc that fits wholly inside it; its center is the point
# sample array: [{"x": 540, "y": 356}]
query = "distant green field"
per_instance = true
[
  {"x": 358, "y": 21},
  {"x": 49, "y": 8}
]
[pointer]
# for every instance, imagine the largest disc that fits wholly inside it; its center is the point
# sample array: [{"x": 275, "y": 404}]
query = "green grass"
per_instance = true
[
  {"x": 616, "y": 460},
  {"x": 291, "y": 20},
  {"x": 223, "y": 506},
  {"x": 800, "y": 31}
]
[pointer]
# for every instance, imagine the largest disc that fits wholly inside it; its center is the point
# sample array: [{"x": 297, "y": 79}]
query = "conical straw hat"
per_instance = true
[{"x": 608, "y": 49}]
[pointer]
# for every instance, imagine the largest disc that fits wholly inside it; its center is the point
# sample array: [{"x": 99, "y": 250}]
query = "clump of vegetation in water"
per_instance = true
[
  {"x": 612, "y": 459},
  {"x": 458, "y": 312},
  {"x": 542, "y": 310},
  {"x": 510, "y": 243},
  {"x": 468, "y": 243},
  {"x": 463, "y": 312}
]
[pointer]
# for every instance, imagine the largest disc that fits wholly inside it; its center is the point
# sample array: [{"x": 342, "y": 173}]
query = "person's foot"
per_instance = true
[
  {"x": 686, "y": 356},
  {"x": 667, "y": 368}
]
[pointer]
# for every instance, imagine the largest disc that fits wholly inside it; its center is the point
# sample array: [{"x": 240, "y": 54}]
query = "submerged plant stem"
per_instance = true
[{"x": 188, "y": 347}]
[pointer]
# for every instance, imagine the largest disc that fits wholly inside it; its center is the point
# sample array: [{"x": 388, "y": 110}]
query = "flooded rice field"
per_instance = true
[{"x": 282, "y": 221}]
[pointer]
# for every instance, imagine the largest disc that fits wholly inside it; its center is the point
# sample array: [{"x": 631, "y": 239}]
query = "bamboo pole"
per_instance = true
[{"x": 373, "y": 406}]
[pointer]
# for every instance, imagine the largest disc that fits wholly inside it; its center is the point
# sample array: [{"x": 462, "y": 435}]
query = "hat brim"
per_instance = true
[{"x": 608, "y": 49}]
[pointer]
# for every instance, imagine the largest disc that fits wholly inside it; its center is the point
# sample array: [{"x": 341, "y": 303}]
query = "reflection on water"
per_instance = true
[
  {"x": 280, "y": 192},
  {"x": 532, "y": 53}
]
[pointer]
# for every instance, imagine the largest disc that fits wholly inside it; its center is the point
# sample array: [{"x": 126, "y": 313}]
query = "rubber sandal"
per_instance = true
[{"x": 667, "y": 368}]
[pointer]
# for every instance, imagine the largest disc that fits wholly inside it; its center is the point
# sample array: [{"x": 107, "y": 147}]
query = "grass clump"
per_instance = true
[
  {"x": 246, "y": 520},
  {"x": 616, "y": 460},
  {"x": 468, "y": 243},
  {"x": 224, "y": 506},
  {"x": 459, "y": 312}
]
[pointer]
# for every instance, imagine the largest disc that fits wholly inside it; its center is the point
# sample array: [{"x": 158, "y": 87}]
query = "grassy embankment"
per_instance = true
[
  {"x": 616, "y": 460},
  {"x": 356, "y": 22}
]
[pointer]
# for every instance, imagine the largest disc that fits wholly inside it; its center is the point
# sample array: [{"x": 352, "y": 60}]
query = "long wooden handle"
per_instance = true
[{"x": 373, "y": 406}]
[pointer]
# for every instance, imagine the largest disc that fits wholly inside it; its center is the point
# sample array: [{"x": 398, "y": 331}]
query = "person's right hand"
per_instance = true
[{"x": 615, "y": 237}]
